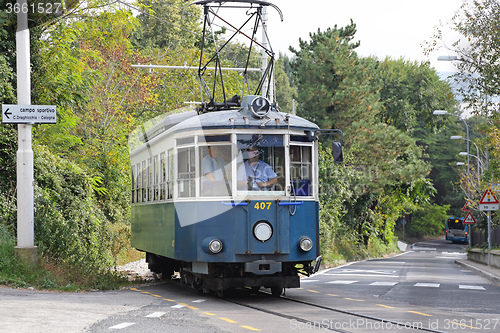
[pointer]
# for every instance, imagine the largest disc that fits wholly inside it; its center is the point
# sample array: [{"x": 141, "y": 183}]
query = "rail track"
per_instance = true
[{"x": 344, "y": 321}]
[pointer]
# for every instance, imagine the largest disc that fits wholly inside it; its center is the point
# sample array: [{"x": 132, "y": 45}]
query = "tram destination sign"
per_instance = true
[{"x": 29, "y": 114}]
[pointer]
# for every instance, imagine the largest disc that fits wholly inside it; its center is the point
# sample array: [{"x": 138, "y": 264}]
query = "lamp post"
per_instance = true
[
  {"x": 479, "y": 163},
  {"x": 444, "y": 112}
]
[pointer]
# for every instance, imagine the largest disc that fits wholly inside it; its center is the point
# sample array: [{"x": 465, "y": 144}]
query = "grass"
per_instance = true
[{"x": 347, "y": 250}]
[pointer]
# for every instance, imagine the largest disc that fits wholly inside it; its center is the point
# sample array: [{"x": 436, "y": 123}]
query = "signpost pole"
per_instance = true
[
  {"x": 488, "y": 203},
  {"x": 489, "y": 237},
  {"x": 25, "y": 206}
]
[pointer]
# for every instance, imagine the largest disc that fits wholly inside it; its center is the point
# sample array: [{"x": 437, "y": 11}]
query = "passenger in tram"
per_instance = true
[
  {"x": 213, "y": 165},
  {"x": 254, "y": 174}
]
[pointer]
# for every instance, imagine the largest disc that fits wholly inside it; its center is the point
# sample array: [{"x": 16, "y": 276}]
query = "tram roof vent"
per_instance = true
[{"x": 256, "y": 106}]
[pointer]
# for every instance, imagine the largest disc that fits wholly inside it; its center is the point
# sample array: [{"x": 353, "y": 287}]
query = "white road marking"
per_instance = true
[
  {"x": 342, "y": 282},
  {"x": 393, "y": 262},
  {"x": 440, "y": 257},
  {"x": 464, "y": 286},
  {"x": 199, "y": 301},
  {"x": 305, "y": 280},
  {"x": 121, "y": 326},
  {"x": 418, "y": 248},
  {"x": 431, "y": 285},
  {"x": 384, "y": 283},
  {"x": 354, "y": 274},
  {"x": 155, "y": 315},
  {"x": 178, "y": 306}
]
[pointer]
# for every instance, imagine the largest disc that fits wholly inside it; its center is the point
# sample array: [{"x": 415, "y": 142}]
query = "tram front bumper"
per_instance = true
[{"x": 263, "y": 267}]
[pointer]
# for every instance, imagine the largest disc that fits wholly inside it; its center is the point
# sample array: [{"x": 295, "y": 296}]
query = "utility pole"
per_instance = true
[{"x": 25, "y": 249}]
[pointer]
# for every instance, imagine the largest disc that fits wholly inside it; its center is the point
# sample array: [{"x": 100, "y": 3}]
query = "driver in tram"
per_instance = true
[{"x": 254, "y": 174}]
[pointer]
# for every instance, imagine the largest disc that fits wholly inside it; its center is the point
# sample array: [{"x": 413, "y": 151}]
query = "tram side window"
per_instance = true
[
  {"x": 300, "y": 170},
  {"x": 138, "y": 183},
  {"x": 132, "y": 189},
  {"x": 186, "y": 172},
  {"x": 215, "y": 166},
  {"x": 166, "y": 174},
  {"x": 163, "y": 177},
  {"x": 150, "y": 180},
  {"x": 156, "y": 177},
  {"x": 144, "y": 182},
  {"x": 170, "y": 174},
  {"x": 261, "y": 164}
]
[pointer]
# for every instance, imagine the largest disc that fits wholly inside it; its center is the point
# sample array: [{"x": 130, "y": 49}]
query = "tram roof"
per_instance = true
[
  {"x": 233, "y": 119},
  {"x": 189, "y": 120}
]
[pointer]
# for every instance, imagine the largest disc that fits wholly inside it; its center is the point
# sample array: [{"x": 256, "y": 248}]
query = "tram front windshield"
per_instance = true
[{"x": 260, "y": 164}]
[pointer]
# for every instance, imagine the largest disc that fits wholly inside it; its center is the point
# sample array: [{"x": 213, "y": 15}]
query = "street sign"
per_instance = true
[
  {"x": 488, "y": 201},
  {"x": 29, "y": 114},
  {"x": 469, "y": 219},
  {"x": 467, "y": 206}
]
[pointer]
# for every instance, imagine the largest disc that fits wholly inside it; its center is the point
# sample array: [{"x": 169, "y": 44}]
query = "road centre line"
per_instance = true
[
  {"x": 463, "y": 325},
  {"x": 250, "y": 328},
  {"x": 228, "y": 320},
  {"x": 420, "y": 313},
  {"x": 181, "y": 305}
]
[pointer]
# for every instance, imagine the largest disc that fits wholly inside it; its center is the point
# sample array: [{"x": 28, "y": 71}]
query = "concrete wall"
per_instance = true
[{"x": 481, "y": 256}]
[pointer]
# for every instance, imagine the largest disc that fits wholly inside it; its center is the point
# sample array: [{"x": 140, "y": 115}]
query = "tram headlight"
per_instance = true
[
  {"x": 215, "y": 246},
  {"x": 306, "y": 244},
  {"x": 212, "y": 245},
  {"x": 263, "y": 231}
]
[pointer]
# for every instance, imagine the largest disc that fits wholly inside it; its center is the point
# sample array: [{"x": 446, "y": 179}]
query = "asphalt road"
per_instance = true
[{"x": 423, "y": 288}]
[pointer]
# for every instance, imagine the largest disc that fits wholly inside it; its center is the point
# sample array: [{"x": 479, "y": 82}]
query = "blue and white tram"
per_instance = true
[{"x": 216, "y": 227}]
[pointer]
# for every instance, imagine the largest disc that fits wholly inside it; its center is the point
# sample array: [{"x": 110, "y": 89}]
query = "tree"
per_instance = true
[
  {"x": 337, "y": 89},
  {"x": 167, "y": 24},
  {"x": 322, "y": 69},
  {"x": 478, "y": 55},
  {"x": 285, "y": 93},
  {"x": 410, "y": 92}
]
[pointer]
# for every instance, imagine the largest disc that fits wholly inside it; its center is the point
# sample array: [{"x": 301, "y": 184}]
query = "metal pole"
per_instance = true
[
  {"x": 489, "y": 237},
  {"x": 266, "y": 85},
  {"x": 468, "y": 155},
  {"x": 25, "y": 206}
]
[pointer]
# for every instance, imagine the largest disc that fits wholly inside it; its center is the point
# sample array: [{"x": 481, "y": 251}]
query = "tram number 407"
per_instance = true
[{"x": 262, "y": 205}]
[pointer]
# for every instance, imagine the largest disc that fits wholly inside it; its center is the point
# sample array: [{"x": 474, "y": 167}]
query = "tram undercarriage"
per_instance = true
[{"x": 220, "y": 277}]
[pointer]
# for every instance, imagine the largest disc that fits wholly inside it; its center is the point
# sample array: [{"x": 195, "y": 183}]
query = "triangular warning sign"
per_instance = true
[
  {"x": 488, "y": 198},
  {"x": 467, "y": 207},
  {"x": 469, "y": 219}
]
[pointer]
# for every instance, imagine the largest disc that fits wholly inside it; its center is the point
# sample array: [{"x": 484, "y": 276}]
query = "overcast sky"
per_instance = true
[{"x": 395, "y": 28}]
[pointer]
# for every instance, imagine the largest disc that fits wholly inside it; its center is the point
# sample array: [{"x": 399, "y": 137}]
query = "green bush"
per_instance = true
[{"x": 70, "y": 228}]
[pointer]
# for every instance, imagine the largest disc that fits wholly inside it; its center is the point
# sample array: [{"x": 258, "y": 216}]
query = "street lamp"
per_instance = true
[
  {"x": 479, "y": 162},
  {"x": 444, "y": 112},
  {"x": 459, "y": 137},
  {"x": 460, "y": 163},
  {"x": 447, "y": 58}
]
